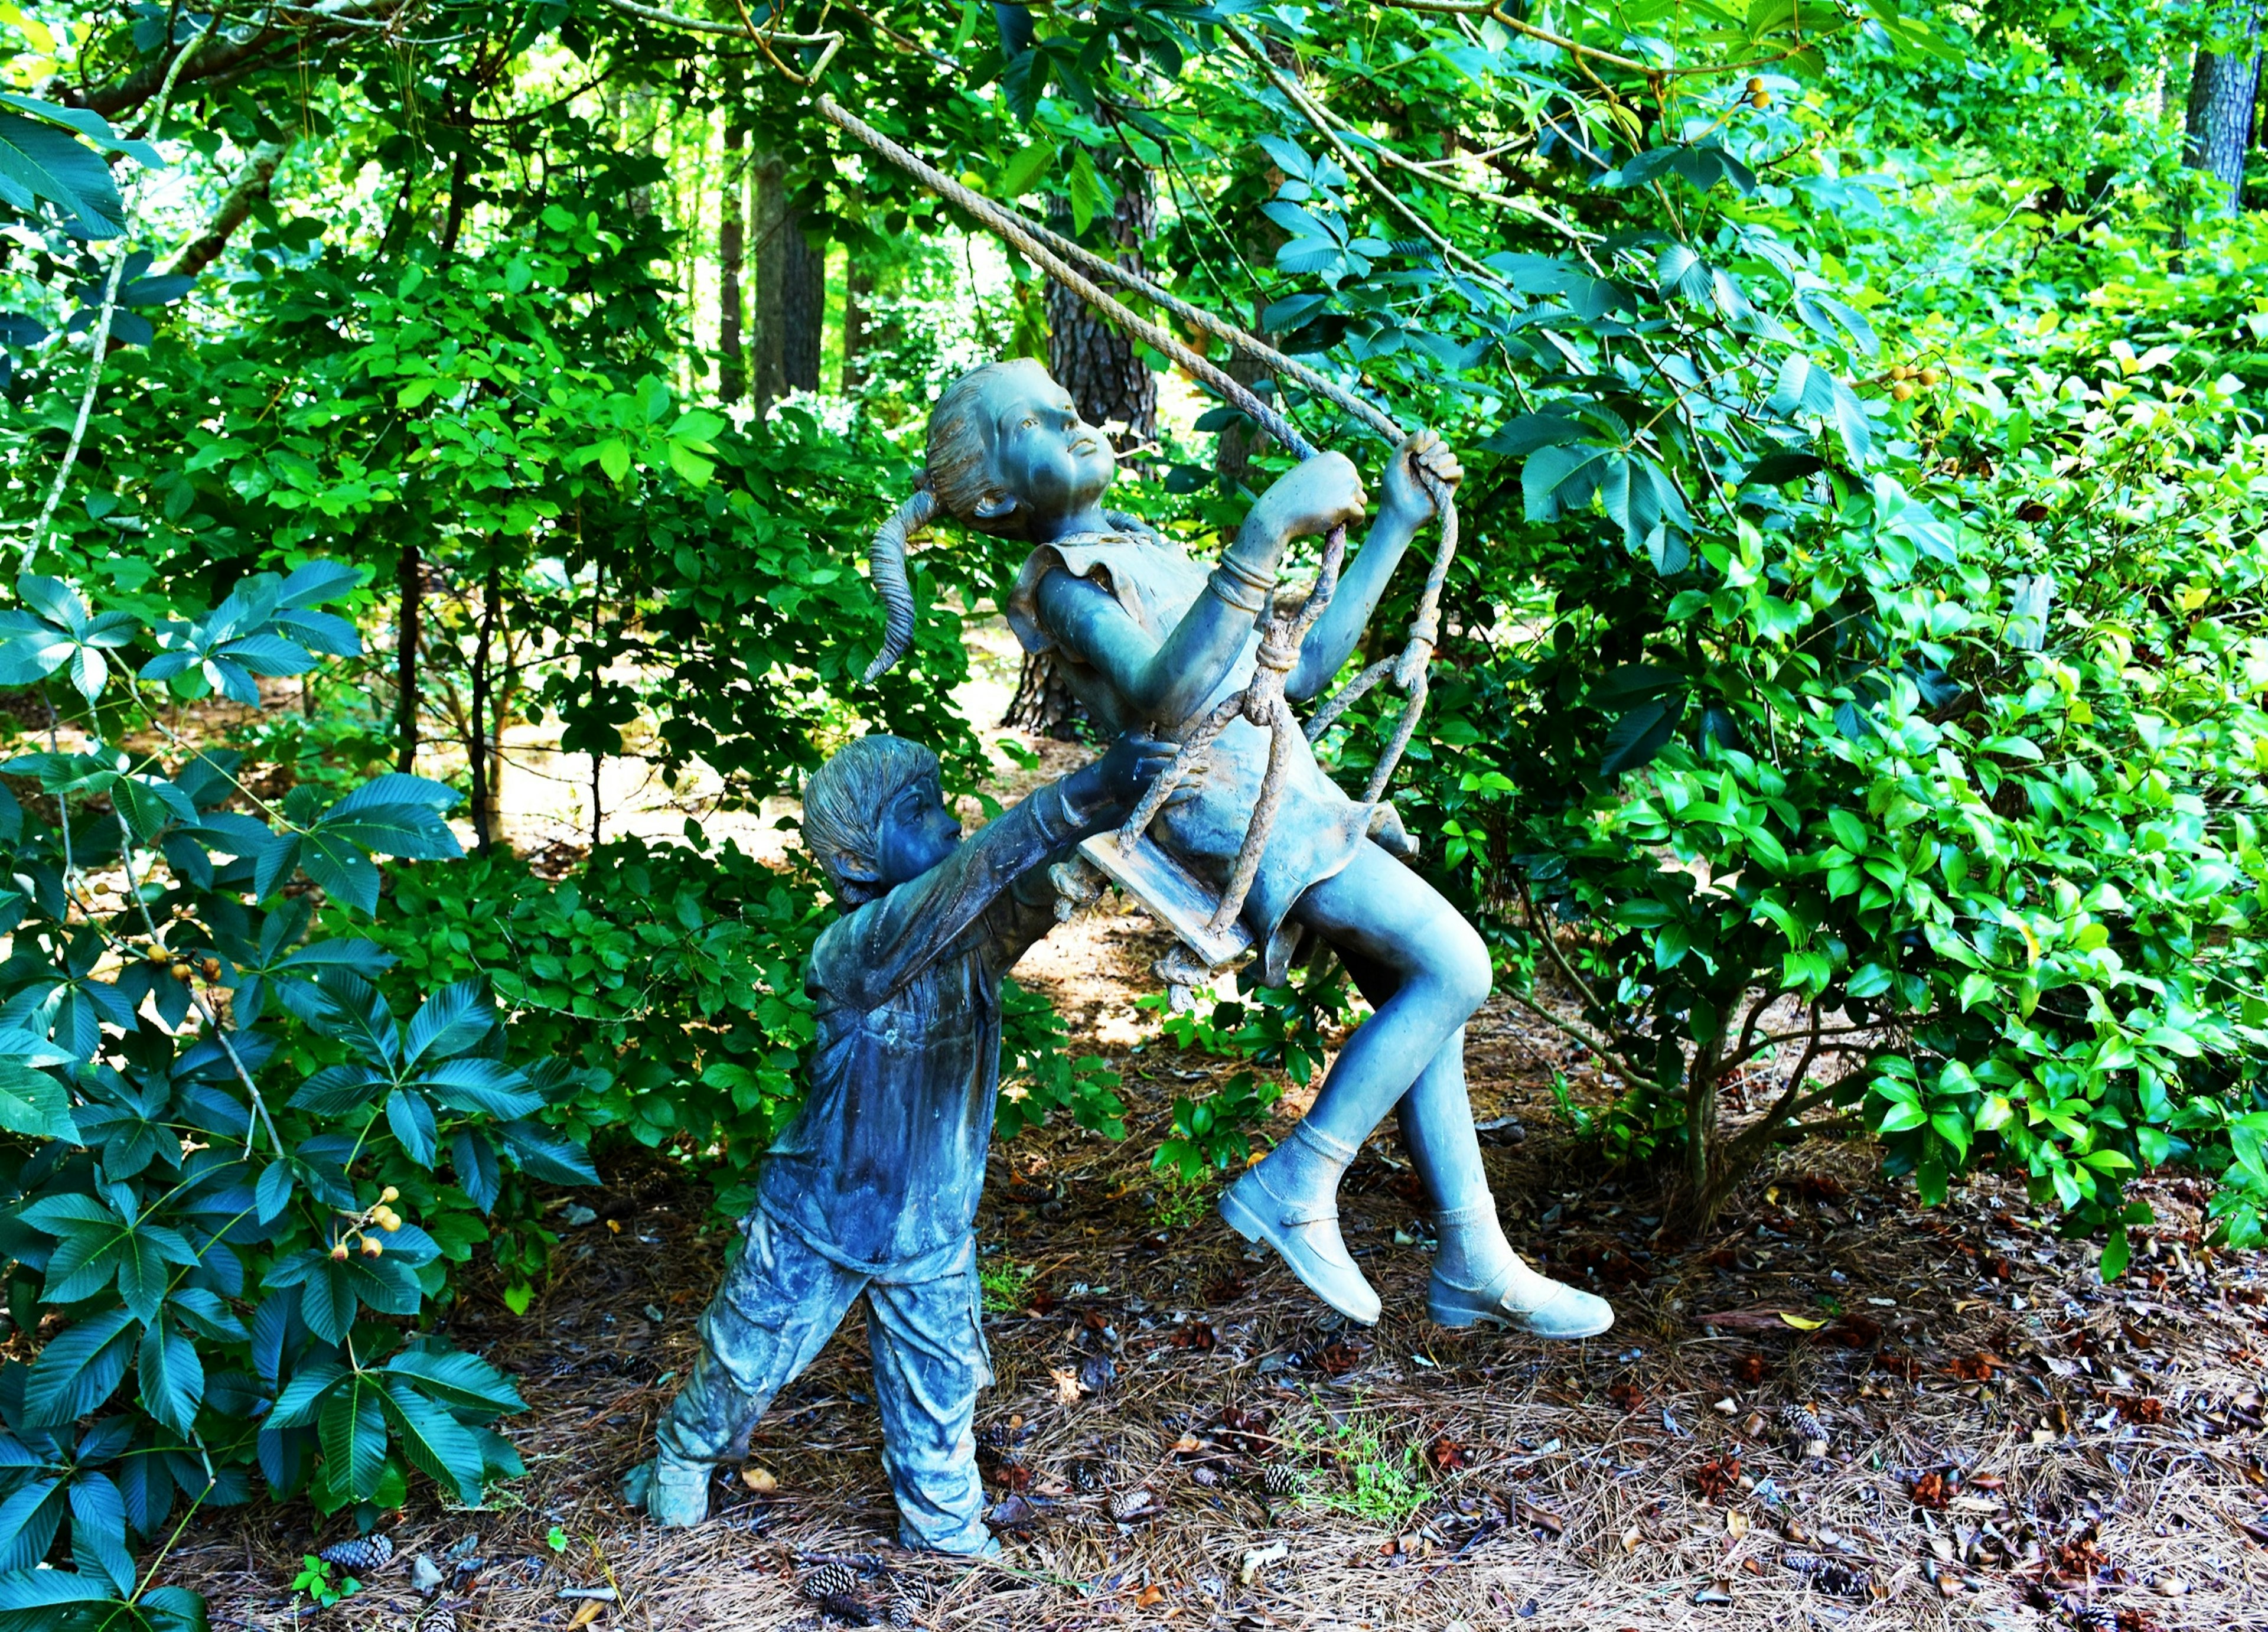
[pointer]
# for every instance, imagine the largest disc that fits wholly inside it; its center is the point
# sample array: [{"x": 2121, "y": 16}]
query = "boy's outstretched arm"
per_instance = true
[{"x": 866, "y": 956}]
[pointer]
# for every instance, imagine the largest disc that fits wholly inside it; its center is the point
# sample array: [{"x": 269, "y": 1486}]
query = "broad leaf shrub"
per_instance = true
[
  {"x": 1964, "y": 773},
  {"x": 670, "y": 977},
  {"x": 233, "y": 1175}
]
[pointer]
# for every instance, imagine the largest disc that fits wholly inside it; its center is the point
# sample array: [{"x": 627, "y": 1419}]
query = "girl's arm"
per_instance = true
[
  {"x": 1362, "y": 584},
  {"x": 1167, "y": 681}
]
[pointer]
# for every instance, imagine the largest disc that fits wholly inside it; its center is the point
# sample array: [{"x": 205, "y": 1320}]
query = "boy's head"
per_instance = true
[{"x": 874, "y": 816}]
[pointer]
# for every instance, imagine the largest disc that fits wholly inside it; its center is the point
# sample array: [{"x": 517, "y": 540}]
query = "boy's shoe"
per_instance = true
[
  {"x": 674, "y": 1494},
  {"x": 1289, "y": 1200}
]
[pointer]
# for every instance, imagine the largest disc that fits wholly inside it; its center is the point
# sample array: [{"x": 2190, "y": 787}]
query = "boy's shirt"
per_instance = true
[{"x": 882, "y": 1168}]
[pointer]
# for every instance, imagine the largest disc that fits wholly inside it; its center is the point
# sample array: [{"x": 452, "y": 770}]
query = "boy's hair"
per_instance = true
[{"x": 843, "y": 808}]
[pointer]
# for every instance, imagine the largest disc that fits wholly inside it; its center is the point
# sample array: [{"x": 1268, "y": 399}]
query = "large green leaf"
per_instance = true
[
  {"x": 40, "y": 163},
  {"x": 79, "y": 1367},
  {"x": 352, "y": 1429},
  {"x": 434, "y": 1440}
]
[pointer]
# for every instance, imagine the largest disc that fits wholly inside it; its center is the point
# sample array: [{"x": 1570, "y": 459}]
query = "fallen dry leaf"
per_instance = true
[
  {"x": 762, "y": 1480},
  {"x": 585, "y": 1615},
  {"x": 1067, "y": 1384}
]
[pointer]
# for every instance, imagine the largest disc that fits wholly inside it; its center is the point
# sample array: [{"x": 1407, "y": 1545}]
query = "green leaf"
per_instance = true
[
  {"x": 80, "y": 1368},
  {"x": 172, "y": 1378},
  {"x": 40, "y": 162},
  {"x": 460, "y": 1380},
  {"x": 1020, "y": 174},
  {"x": 434, "y": 1440},
  {"x": 34, "y": 1103},
  {"x": 1090, "y": 195},
  {"x": 614, "y": 458},
  {"x": 352, "y": 1431}
]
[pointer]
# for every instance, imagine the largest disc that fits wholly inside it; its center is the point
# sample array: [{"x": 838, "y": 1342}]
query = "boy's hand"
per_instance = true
[
  {"x": 1118, "y": 780},
  {"x": 1406, "y": 497}
]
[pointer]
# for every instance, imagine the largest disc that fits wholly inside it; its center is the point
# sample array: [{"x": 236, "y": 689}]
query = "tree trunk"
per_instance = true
[
  {"x": 480, "y": 747},
  {"x": 1090, "y": 359},
  {"x": 1701, "y": 1121},
  {"x": 1233, "y": 452},
  {"x": 731, "y": 241},
  {"x": 251, "y": 188},
  {"x": 767, "y": 354},
  {"x": 803, "y": 307},
  {"x": 409, "y": 582},
  {"x": 857, "y": 289},
  {"x": 2218, "y": 126}
]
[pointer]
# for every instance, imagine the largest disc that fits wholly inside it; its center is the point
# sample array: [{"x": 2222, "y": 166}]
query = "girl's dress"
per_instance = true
[{"x": 1317, "y": 826}]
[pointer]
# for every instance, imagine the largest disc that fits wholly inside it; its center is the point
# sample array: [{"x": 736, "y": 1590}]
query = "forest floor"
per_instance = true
[
  {"x": 1180, "y": 1436},
  {"x": 2008, "y": 1443}
]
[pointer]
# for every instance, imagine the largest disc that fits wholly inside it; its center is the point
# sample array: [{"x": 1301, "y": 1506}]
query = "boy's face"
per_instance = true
[
  {"x": 917, "y": 832},
  {"x": 1041, "y": 451}
]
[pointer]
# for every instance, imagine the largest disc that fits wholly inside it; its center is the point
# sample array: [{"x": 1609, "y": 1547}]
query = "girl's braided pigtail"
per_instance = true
[{"x": 886, "y": 557}]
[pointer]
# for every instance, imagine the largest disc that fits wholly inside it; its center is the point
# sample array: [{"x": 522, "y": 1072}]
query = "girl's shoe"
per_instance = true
[
  {"x": 1290, "y": 1201},
  {"x": 1515, "y": 1294}
]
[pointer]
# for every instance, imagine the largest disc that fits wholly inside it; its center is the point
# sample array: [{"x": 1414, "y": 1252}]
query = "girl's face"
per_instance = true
[{"x": 1043, "y": 453}]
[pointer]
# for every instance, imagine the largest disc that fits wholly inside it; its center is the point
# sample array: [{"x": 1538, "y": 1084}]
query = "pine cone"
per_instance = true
[
  {"x": 833, "y": 1579},
  {"x": 1086, "y": 1477},
  {"x": 1280, "y": 1481},
  {"x": 994, "y": 1435},
  {"x": 362, "y": 1553},
  {"x": 441, "y": 1619},
  {"x": 904, "y": 1612},
  {"x": 1803, "y": 1425}
]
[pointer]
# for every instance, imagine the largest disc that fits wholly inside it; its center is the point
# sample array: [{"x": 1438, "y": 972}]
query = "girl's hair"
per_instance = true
[
  {"x": 843, "y": 804},
  {"x": 954, "y": 480}
]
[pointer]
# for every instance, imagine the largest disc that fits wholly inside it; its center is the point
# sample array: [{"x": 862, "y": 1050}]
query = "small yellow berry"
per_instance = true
[
  {"x": 211, "y": 967},
  {"x": 1931, "y": 377},
  {"x": 1755, "y": 83},
  {"x": 1902, "y": 391},
  {"x": 389, "y": 1193},
  {"x": 156, "y": 953},
  {"x": 391, "y": 1222},
  {"x": 1760, "y": 98},
  {"x": 370, "y": 1246},
  {"x": 339, "y": 1251},
  {"x": 1900, "y": 372}
]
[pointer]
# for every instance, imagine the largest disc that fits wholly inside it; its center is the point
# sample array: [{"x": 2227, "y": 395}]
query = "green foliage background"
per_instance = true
[{"x": 1851, "y": 695}]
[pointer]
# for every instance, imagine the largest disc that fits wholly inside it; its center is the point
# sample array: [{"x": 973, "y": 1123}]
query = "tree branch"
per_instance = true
[{"x": 251, "y": 188}]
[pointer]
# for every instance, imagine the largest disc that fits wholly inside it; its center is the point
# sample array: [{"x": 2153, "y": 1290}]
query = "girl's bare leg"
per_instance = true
[
  {"x": 1388, "y": 916},
  {"x": 1477, "y": 1275}
]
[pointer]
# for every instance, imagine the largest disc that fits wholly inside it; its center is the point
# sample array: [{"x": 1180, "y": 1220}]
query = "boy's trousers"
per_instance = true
[{"x": 781, "y": 1302}]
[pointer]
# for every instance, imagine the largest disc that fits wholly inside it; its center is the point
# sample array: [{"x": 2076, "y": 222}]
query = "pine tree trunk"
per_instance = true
[
  {"x": 803, "y": 307},
  {"x": 732, "y": 244},
  {"x": 1089, "y": 358},
  {"x": 767, "y": 348},
  {"x": 2218, "y": 127},
  {"x": 1233, "y": 453}
]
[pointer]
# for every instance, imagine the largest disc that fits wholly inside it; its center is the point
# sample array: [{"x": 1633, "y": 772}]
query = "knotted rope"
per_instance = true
[{"x": 1261, "y": 702}]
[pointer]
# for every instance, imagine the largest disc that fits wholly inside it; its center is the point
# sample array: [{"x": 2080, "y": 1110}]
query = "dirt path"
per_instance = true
[{"x": 1180, "y": 1438}]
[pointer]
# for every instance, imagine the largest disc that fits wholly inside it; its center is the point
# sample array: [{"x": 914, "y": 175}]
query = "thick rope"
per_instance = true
[
  {"x": 1261, "y": 702},
  {"x": 1018, "y": 232}
]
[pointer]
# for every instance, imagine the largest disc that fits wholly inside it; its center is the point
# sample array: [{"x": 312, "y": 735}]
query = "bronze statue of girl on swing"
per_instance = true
[{"x": 1143, "y": 636}]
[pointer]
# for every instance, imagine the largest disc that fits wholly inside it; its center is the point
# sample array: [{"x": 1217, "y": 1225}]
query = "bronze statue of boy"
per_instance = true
[{"x": 871, "y": 1190}]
